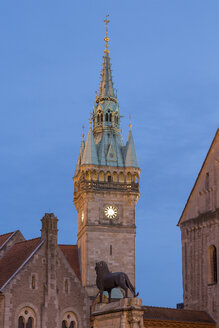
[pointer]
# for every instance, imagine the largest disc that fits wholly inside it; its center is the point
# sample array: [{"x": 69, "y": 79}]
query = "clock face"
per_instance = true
[
  {"x": 110, "y": 212},
  {"x": 82, "y": 216}
]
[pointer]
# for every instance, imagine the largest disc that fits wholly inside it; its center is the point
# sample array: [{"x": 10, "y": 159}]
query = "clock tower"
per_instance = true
[{"x": 106, "y": 188}]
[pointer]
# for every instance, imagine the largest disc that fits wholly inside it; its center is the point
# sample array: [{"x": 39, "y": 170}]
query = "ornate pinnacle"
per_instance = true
[{"x": 106, "y": 39}]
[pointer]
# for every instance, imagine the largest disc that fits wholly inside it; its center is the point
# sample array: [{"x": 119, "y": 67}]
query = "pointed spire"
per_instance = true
[
  {"x": 90, "y": 151},
  {"x": 106, "y": 90},
  {"x": 80, "y": 153},
  {"x": 130, "y": 154}
]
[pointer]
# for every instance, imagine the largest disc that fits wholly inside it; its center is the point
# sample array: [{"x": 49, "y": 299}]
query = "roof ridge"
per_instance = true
[
  {"x": 67, "y": 245},
  {"x": 169, "y": 308},
  {"x": 8, "y": 233},
  {"x": 25, "y": 241}
]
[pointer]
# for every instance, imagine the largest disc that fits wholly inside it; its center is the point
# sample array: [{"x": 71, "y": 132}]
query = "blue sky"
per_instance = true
[{"x": 164, "y": 56}]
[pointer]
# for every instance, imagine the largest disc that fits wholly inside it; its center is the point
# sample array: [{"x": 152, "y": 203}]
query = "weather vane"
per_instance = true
[{"x": 106, "y": 39}]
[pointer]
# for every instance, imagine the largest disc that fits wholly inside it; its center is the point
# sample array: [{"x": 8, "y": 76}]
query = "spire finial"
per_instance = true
[
  {"x": 106, "y": 39},
  {"x": 90, "y": 120},
  {"x": 130, "y": 122},
  {"x": 82, "y": 132}
]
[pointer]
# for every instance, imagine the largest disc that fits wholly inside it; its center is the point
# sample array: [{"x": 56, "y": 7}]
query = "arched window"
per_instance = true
[
  {"x": 115, "y": 177},
  {"x": 121, "y": 177},
  {"x": 29, "y": 323},
  {"x": 101, "y": 176},
  {"x": 101, "y": 117},
  {"x": 98, "y": 118},
  {"x": 88, "y": 175},
  {"x": 106, "y": 117},
  {"x": 27, "y": 318},
  {"x": 94, "y": 175},
  {"x": 110, "y": 117},
  {"x": 129, "y": 177},
  {"x": 212, "y": 265},
  {"x": 108, "y": 177},
  {"x": 64, "y": 324},
  {"x": 69, "y": 320},
  {"x": 21, "y": 322}
]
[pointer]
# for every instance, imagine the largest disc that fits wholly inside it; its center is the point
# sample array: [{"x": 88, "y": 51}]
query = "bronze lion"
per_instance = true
[{"x": 107, "y": 280}]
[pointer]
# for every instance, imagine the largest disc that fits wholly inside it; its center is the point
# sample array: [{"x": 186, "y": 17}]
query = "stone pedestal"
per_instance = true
[{"x": 125, "y": 313}]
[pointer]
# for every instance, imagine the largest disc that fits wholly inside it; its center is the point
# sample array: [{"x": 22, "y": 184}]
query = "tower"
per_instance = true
[{"x": 106, "y": 187}]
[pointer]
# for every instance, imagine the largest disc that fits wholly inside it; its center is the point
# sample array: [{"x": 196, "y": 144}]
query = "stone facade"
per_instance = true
[
  {"x": 125, "y": 313},
  {"x": 39, "y": 288},
  {"x": 199, "y": 226}
]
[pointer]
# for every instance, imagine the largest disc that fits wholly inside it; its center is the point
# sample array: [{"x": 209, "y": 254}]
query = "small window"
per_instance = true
[
  {"x": 110, "y": 117},
  {"x": 66, "y": 285},
  {"x": 111, "y": 250},
  {"x": 207, "y": 181},
  {"x": 212, "y": 265},
  {"x": 109, "y": 178},
  {"x": 33, "y": 282},
  {"x": 106, "y": 117}
]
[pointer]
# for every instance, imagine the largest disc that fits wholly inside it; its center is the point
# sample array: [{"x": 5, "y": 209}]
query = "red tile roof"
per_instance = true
[
  {"x": 71, "y": 254},
  {"x": 15, "y": 257},
  {"x": 159, "y": 313},
  {"x": 5, "y": 237}
]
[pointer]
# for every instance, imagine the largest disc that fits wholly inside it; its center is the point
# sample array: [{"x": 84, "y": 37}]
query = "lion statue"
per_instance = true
[{"x": 107, "y": 280}]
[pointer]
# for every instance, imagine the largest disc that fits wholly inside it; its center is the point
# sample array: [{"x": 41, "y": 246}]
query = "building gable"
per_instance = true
[
  {"x": 18, "y": 255},
  {"x": 204, "y": 196}
]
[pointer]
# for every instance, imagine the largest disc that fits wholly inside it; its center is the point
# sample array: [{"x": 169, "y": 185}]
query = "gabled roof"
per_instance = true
[
  {"x": 160, "y": 313},
  {"x": 4, "y": 238},
  {"x": 208, "y": 153},
  {"x": 17, "y": 256},
  {"x": 71, "y": 254}
]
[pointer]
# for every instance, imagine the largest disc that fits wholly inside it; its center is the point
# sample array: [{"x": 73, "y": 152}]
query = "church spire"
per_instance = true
[{"x": 106, "y": 90}]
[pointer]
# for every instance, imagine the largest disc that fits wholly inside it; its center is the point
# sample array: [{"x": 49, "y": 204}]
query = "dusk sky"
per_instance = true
[{"x": 165, "y": 63}]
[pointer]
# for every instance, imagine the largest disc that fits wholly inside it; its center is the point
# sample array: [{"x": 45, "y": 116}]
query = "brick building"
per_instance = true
[{"x": 43, "y": 284}]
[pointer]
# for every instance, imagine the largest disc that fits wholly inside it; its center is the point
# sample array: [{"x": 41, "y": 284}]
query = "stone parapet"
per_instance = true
[{"x": 125, "y": 313}]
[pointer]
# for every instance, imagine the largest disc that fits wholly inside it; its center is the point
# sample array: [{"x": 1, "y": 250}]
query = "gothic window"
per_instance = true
[
  {"x": 109, "y": 178},
  {"x": 212, "y": 265},
  {"x": 26, "y": 318},
  {"x": 69, "y": 320},
  {"x": 98, "y": 118},
  {"x": 106, "y": 117},
  {"x": 29, "y": 323},
  {"x": 102, "y": 117},
  {"x": 21, "y": 322},
  {"x": 64, "y": 324},
  {"x": 110, "y": 117}
]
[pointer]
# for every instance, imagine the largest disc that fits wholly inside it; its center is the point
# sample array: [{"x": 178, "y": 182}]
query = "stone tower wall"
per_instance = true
[{"x": 101, "y": 238}]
